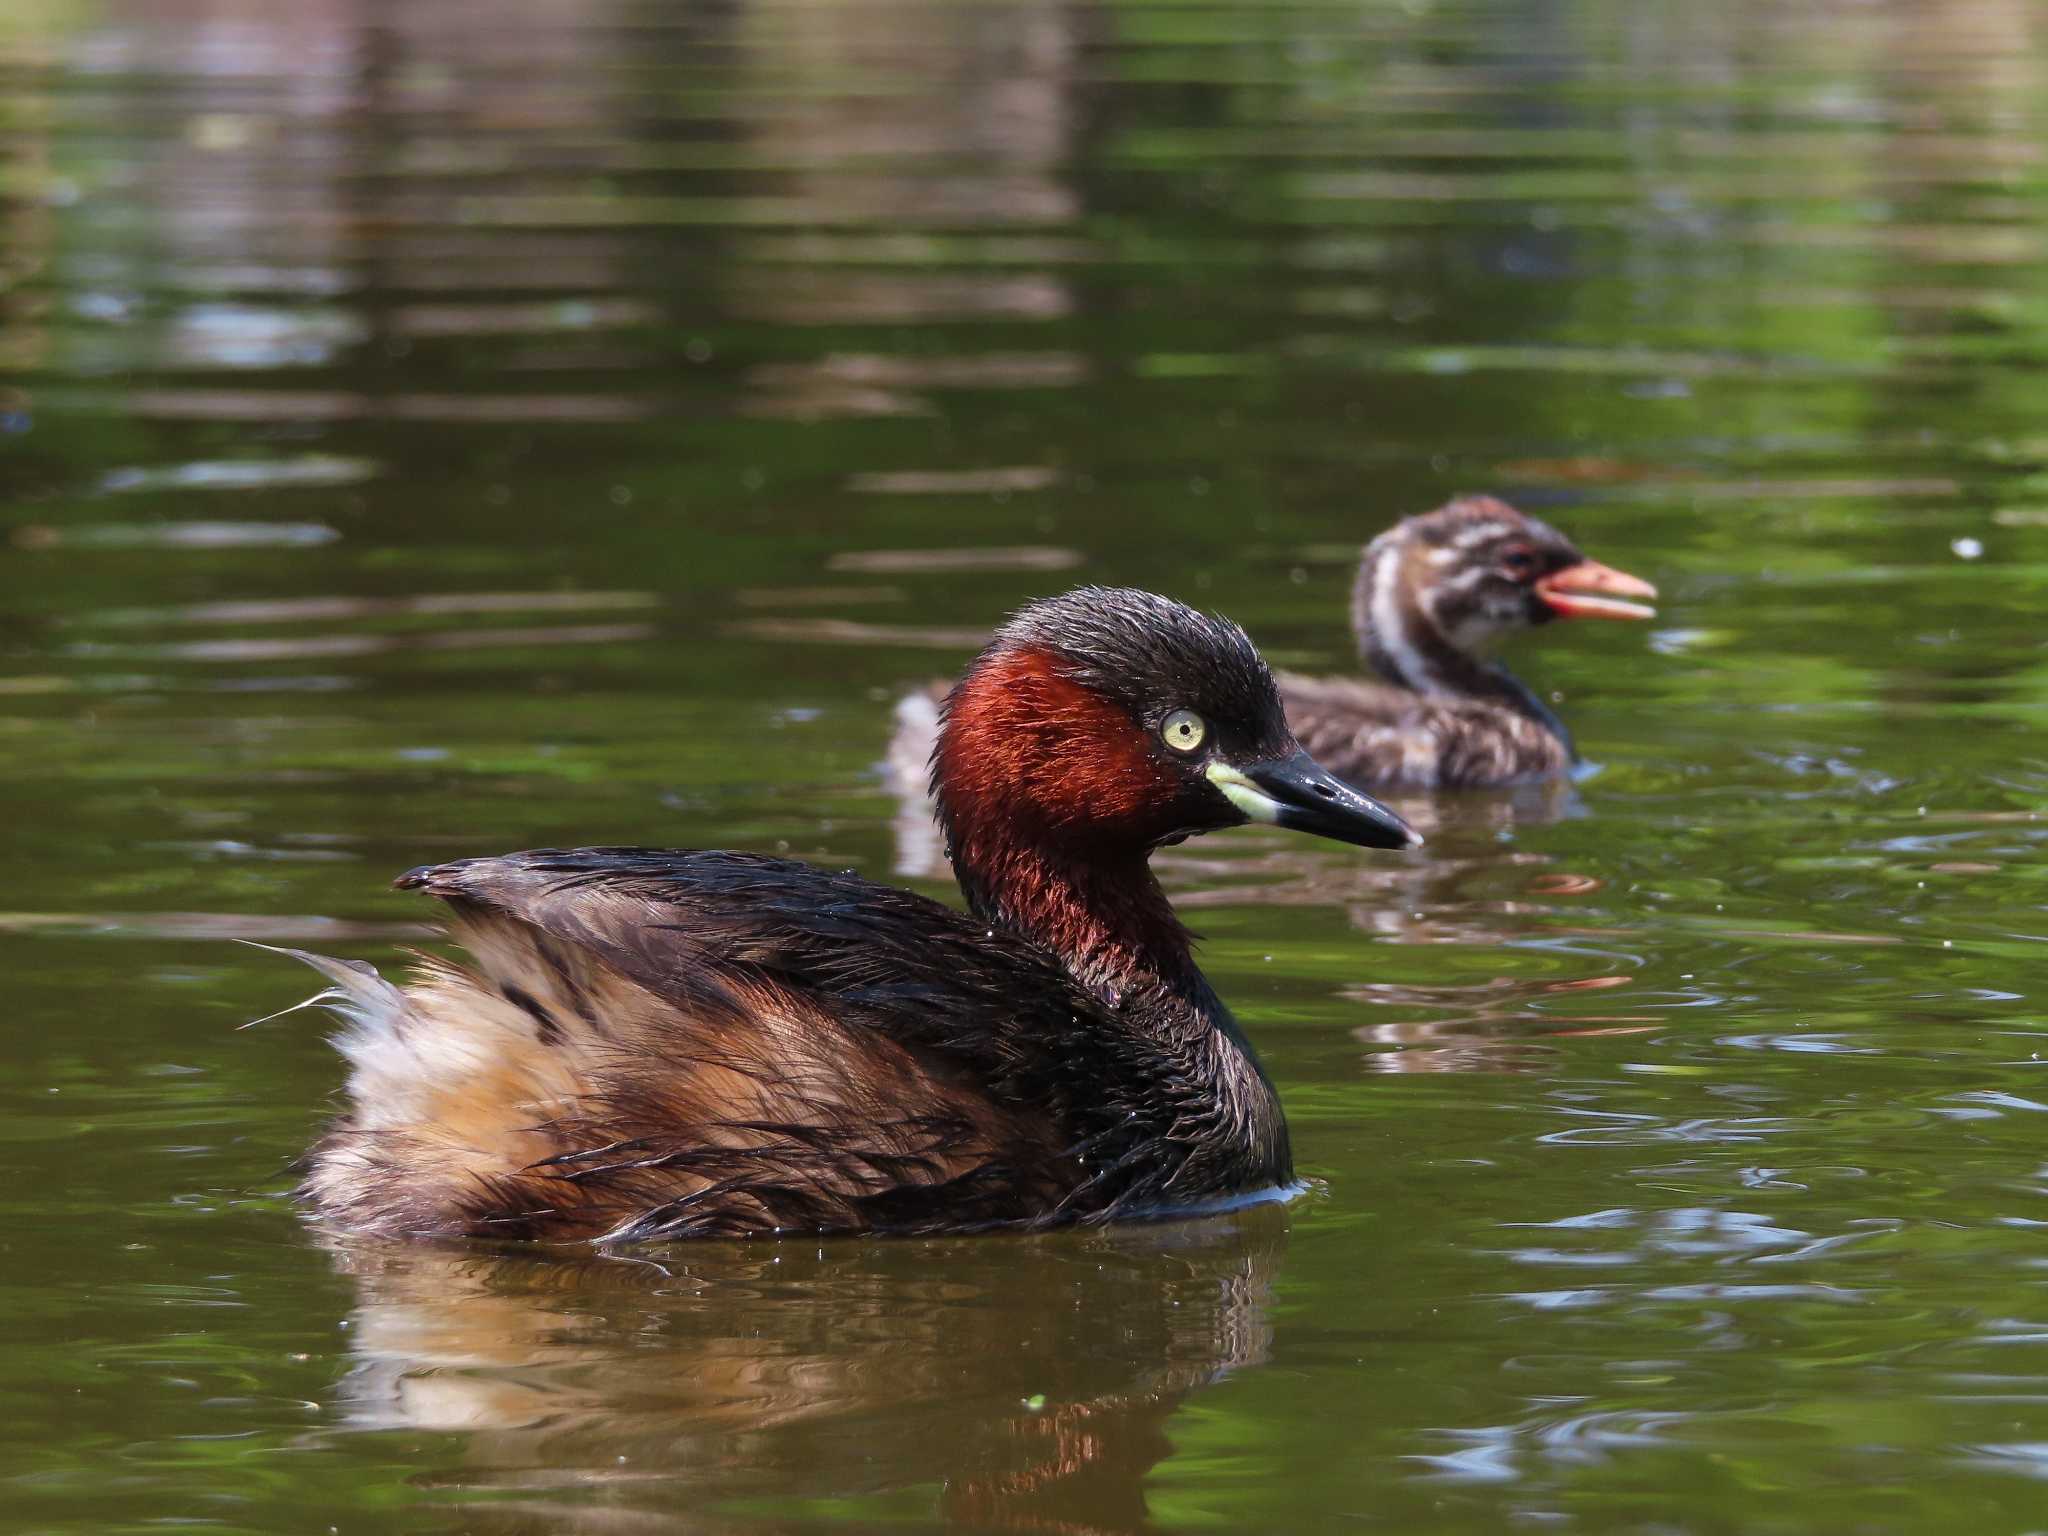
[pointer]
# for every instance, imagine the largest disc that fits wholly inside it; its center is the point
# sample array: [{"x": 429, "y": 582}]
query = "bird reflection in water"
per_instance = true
[
  {"x": 1029, "y": 1381},
  {"x": 1498, "y": 1025},
  {"x": 1448, "y": 895}
]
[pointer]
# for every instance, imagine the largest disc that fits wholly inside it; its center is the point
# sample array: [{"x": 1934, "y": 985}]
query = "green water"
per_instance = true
[{"x": 430, "y": 430}]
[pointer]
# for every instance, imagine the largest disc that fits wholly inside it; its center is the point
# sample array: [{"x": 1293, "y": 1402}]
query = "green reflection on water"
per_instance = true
[{"x": 435, "y": 432}]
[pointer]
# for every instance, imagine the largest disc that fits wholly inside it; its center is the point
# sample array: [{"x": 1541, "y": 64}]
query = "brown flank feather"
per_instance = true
[{"x": 585, "y": 1104}]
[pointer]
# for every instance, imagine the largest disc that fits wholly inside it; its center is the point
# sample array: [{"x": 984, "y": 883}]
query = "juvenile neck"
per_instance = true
[{"x": 1399, "y": 640}]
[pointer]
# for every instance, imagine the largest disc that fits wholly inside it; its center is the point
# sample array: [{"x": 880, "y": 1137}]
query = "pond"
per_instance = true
[{"x": 453, "y": 428}]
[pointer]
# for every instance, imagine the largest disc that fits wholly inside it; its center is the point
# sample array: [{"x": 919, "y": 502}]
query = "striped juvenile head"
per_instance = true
[{"x": 1477, "y": 569}]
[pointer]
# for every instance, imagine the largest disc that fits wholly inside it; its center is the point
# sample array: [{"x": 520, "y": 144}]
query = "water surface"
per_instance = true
[{"x": 442, "y": 429}]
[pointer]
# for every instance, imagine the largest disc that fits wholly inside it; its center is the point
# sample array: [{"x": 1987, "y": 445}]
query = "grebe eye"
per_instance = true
[
  {"x": 1518, "y": 562},
  {"x": 1184, "y": 730}
]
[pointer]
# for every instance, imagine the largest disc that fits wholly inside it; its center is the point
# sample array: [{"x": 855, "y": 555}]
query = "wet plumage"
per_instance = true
[{"x": 653, "y": 1043}]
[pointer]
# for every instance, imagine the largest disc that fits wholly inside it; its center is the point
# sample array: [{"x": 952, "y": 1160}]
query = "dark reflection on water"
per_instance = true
[
  {"x": 440, "y": 428},
  {"x": 701, "y": 1381}
]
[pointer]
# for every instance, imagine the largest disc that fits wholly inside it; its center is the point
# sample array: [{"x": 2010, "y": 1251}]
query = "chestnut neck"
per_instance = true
[
  {"x": 1052, "y": 800},
  {"x": 1103, "y": 914},
  {"x": 1399, "y": 639},
  {"x": 1051, "y": 807}
]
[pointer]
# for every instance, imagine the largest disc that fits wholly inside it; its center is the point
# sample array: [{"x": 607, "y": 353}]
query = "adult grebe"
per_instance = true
[
  {"x": 1433, "y": 594},
  {"x": 657, "y": 1044}
]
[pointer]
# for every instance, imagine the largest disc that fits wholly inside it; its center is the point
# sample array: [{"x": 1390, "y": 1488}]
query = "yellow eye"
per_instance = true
[{"x": 1184, "y": 730}]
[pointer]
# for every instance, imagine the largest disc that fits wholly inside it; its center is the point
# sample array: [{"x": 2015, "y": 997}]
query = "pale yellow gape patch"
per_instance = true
[{"x": 1243, "y": 793}]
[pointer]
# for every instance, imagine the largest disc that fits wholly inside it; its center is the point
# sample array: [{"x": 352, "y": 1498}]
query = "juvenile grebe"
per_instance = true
[
  {"x": 658, "y": 1044},
  {"x": 1432, "y": 594}
]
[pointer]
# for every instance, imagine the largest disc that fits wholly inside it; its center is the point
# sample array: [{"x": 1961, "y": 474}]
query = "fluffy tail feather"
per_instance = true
[
  {"x": 450, "y": 1092},
  {"x": 355, "y": 993}
]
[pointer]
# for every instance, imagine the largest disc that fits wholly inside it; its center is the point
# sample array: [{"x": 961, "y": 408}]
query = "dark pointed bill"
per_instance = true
[{"x": 1299, "y": 793}]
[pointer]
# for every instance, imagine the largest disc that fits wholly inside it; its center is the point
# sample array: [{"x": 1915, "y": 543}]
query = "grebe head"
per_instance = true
[
  {"x": 1476, "y": 569},
  {"x": 1109, "y": 721}
]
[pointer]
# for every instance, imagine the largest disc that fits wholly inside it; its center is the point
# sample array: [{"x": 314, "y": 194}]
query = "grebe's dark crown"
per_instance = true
[{"x": 1152, "y": 655}]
